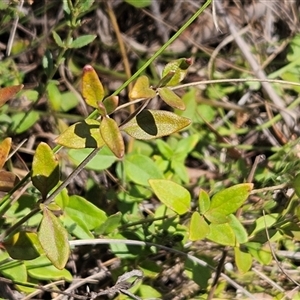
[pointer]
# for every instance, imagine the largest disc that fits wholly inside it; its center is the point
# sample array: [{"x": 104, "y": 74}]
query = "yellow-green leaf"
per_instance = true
[
  {"x": 221, "y": 234},
  {"x": 141, "y": 89},
  {"x": 171, "y": 98},
  {"x": 45, "y": 169},
  {"x": 84, "y": 134},
  {"x": 5, "y": 146},
  {"x": 172, "y": 195},
  {"x": 54, "y": 239},
  {"x": 112, "y": 136},
  {"x": 203, "y": 201},
  {"x": 179, "y": 67},
  {"x": 198, "y": 227},
  {"x": 111, "y": 103},
  {"x": 92, "y": 88},
  {"x": 150, "y": 124},
  {"x": 8, "y": 92},
  {"x": 243, "y": 260}
]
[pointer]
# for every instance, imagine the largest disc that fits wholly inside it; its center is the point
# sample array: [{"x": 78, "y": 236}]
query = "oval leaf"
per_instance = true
[
  {"x": 221, "y": 234},
  {"x": 84, "y": 134},
  {"x": 23, "y": 245},
  {"x": 45, "y": 169},
  {"x": 203, "y": 201},
  {"x": 22, "y": 121},
  {"x": 5, "y": 146},
  {"x": 112, "y": 136},
  {"x": 243, "y": 260},
  {"x": 83, "y": 41},
  {"x": 198, "y": 227},
  {"x": 141, "y": 89},
  {"x": 8, "y": 92},
  {"x": 229, "y": 200},
  {"x": 54, "y": 239},
  {"x": 140, "y": 168},
  {"x": 171, "y": 98},
  {"x": 150, "y": 124},
  {"x": 92, "y": 88},
  {"x": 172, "y": 195},
  {"x": 238, "y": 229}
]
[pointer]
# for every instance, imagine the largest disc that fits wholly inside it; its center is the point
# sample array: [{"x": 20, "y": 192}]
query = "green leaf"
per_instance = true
[
  {"x": 229, "y": 200},
  {"x": 58, "y": 40},
  {"x": 45, "y": 169},
  {"x": 198, "y": 273},
  {"x": 296, "y": 184},
  {"x": 243, "y": 260},
  {"x": 102, "y": 161},
  {"x": 110, "y": 224},
  {"x": 261, "y": 253},
  {"x": 112, "y": 136},
  {"x": 140, "y": 168},
  {"x": 238, "y": 229},
  {"x": 141, "y": 89},
  {"x": 150, "y": 124},
  {"x": 84, "y": 134},
  {"x": 198, "y": 227},
  {"x": 179, "y": 67},
  {"x": 221, "y": 234},
  {"x": 23, "y": 246},
  {"x": 12, "y": 269},
  {"x": 92, "y": 88},
  {"x": 139, "y": 3},
  {"x": 9, "y": 92},
  {"x": 54, "y": 96},
  {"x": 203, "y": 202},
  {"x": 80, "y": 208},
  {"x": 172, "y": 195},
  {"x": 82, "y": 41},
  {"x": 42, "y": 269},
  {"x": 54, "y": 239},
  {"x": 22, "y": 121},
  {"x": 76, "y": 227},
  {"x": 171, "y": 98},
  {"x": 264, "y": 222}
]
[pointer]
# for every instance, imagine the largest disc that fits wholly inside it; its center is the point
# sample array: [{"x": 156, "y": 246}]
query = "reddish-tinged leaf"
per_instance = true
[
  {"x": 151, "y": 124},
  {"x": 92, "y": 89},
  {"x": 171, "y": 98},
  {"x": 112, "y": 136},
  {"x": 5, "y": 146},
  {"x": 179, "y": 67},
  {"x": 8, "y": 92},
  {"x": 141, "y": 89}
]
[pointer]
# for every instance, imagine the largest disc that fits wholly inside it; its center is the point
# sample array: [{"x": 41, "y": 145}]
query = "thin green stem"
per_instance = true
[{"x": 157, "y": 54}]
